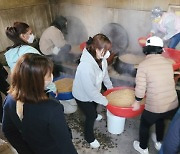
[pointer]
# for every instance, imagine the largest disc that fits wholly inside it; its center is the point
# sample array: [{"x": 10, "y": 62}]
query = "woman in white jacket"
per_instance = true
[{"x": 90, "y": 74}]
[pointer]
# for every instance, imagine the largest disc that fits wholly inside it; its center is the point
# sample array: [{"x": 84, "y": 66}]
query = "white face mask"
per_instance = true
[
  {"x": 31, "y": 38},
  {"x": 47, "y": 82},
  {"x": 107, "y": 54}
]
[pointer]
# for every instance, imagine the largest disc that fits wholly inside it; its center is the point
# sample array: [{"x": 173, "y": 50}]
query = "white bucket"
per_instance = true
[
  {"x": 70, "y": 106},
  {"x": 115, "y": 124}
]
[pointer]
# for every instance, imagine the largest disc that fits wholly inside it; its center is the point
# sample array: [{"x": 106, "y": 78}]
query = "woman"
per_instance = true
[
  {"x": 53, "y": 44},
  {"x": 168, "y": 23},
  {"x": 33, "y": 123},
  {"x": 52, "y": 41},
  {"x": 90, "y": 74},
  {"x": 155, "y": 79},
  {"x": 21, "y": 35}
]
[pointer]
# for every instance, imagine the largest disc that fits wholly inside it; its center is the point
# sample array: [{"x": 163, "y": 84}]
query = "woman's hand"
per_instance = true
[{"x": 135, "y": 106}]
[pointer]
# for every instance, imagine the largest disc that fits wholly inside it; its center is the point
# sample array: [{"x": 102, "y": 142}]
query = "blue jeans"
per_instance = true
[
  {"x": 177, "y": 115},
  {"x": 161, "y": 151},
  {"x": 174, "y": 41}
]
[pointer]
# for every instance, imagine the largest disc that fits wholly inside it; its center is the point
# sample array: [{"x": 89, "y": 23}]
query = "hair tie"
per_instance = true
[{"x": 90, "y": 40}]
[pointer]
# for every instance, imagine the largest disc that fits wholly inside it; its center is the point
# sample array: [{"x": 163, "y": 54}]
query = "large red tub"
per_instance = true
[
  {"x": 125, "y": 112},
  {"x": 174, "y": 55}
]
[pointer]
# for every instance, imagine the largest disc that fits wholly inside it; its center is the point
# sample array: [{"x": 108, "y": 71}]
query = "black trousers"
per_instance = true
[
  {"x": 1, "y": 108},
  {"x": 89, "y": 110},
  {"x": 150, "y": 118}
]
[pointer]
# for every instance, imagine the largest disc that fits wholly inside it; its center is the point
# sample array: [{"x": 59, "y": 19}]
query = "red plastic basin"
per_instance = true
[
  {"x": 82, "y": 45},
  {"x": 174, "y": 55},
  {"x": 142, "y": 44},
  {"x": 125, "y": 112}
]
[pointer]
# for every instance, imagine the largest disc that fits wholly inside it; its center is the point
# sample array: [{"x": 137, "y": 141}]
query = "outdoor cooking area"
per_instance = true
[{"x": 107, "y": 54}]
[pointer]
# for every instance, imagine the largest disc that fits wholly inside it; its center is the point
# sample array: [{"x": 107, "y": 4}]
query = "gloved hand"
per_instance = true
[
  {"x": 135, "y": 105},
  {"x": 55, "y": 50},
  {"x": 150, "y": 34}
]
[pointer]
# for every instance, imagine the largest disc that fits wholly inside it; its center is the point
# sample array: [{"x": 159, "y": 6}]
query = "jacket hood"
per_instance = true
[{"x": 87, "y": 57}]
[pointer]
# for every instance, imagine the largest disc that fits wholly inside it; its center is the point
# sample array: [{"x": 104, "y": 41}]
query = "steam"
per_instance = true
[
  {"x": 96, "y": 20},
  {"x": 118, "y": 36},
  {"x": 77, "y": 32}
]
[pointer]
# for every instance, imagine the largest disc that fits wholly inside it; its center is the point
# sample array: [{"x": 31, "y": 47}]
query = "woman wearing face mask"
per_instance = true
[
  {"x": 155, "y": 80},
  {"x": 168, "y": 23},
  {"x": 90, "y": 74},
  {"x": 53, "y": 44},
  {"x": 21, "y": 35},
  {"x": 33, "y": 123}
]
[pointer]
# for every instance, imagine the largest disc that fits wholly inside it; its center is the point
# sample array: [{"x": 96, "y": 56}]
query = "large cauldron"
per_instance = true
[
  {"x": 125, "y": 64},
  {"x": 124, "y": 68},
  {"x": 118, "y": 36}
]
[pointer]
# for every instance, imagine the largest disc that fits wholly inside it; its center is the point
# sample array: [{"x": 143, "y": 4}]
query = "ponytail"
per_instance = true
[{"x": 14, "y": 32}]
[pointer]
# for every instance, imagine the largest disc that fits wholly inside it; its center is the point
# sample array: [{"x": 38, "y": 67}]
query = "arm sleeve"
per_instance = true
[
  {"x": 13, "y": 135},
  {"x": 140, "y": 80},
  {"x": 60, "y": 132},
  {"x": 107, "y": 82},
  {"x": 138, "y": 99},
  {"x": 88, "y": 81},
  {"x": 58, "y": 39},
  {"x": 4, "y": 85},
  {"x": 171, "y": 143},
  {"x": 170, "y": 28},
  {"x": 154, "y": 28},
  {"x": 65, "y": 48},
  {"x": 3, "y": 72}
]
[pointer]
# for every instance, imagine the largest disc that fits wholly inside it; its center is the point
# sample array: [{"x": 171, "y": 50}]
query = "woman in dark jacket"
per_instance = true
[
  {"x": 33, "y": 123},
  {"x": 4, "y": 85}
]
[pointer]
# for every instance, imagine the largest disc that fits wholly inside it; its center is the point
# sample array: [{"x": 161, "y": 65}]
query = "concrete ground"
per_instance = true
[{"x": 110, "y": 144}]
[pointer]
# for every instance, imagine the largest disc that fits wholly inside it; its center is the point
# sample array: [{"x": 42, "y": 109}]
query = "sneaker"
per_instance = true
[
  {"x": 157, "y": 144},
  {"x": 139, "y": 149},
  {"x": 95, "y": 144},
  {"x": 99, "y": 117}
]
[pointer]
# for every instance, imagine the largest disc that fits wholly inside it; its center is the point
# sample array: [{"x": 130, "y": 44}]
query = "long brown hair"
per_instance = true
[
  {"x": 99, "y": 41},
  {"x": 27, "y": 79}
]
